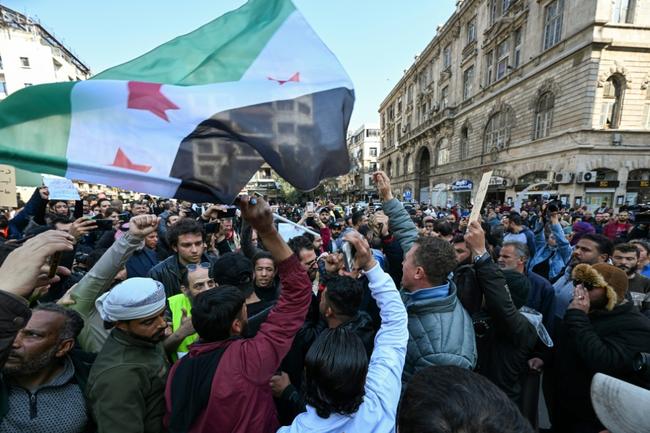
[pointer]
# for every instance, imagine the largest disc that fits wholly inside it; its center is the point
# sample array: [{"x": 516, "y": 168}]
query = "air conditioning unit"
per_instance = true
[
  {"x": 563, "y": 177},
  {"x": 587, "y": 176}
]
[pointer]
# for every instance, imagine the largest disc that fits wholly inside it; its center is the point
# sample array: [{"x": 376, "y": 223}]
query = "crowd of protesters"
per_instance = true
[{"x": 157, "y": 315}]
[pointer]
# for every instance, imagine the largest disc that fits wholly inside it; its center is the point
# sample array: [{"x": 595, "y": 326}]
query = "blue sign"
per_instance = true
[
  {"x": 408, "y": 194},
  {"x": 462, "y": 185}
]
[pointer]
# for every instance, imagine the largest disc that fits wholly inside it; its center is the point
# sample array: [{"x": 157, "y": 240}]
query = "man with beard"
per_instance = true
[
  {"x": 303, "y": 248},
  {"x": 618, "y": 229},
  {"x": 626, "y": 257},
  {"x": 264, "y": 277},
  {"x": 590, "y": 249},
  {"x": 222, "y": 384},
  {"x": 107, "y": 271},
  {"x": 516, "y": 231},
  {"x": 42, "y": 386},
  {"x": 127, "y": 382}
]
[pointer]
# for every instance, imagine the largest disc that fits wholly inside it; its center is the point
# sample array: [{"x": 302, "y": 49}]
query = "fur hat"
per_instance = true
[{"x": 611, "y": 278}]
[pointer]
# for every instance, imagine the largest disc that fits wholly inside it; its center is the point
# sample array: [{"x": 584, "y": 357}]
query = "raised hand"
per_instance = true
[
  {"x": 383, "y": 185},
  {"x": 142, "y": 225}
]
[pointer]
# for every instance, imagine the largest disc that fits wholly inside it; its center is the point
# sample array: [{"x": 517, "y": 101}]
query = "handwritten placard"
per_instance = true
[
  {"x": 480, "y": 196},
  {"x": 8, "y": 186},
  {"x": 60, "y": 188}
]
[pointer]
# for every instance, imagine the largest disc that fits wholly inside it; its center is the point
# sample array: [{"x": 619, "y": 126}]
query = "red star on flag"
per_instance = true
[
  {"x": 294, "y": 78},
  {"x": 147, "y": 96},
  {"x": 123, "y": 161}
]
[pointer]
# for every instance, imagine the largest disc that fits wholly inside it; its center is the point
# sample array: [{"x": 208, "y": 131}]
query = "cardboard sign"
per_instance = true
[
  {"x": 480, "y": 196},
  {"x": 289, "y": 231},
  {"x": 8, "y": 186},
  {"x": 61, "y": 188}
]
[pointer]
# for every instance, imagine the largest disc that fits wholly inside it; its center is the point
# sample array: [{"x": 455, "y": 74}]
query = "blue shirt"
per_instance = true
[
  {"x": 430, "y": 293},
  {"x": 384, "y": 380}
]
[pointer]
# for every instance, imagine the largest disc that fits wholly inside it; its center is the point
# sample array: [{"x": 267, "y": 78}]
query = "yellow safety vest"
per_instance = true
[{"x": 176, "y": 305}]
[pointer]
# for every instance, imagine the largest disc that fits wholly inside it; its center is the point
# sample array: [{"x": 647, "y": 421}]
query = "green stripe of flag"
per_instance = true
[
  {"x": 220, "y": 51},
  {"x": 35, "y": 126}
]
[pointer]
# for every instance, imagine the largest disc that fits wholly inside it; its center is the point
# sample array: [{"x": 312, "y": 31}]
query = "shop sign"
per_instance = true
[
  {"x": 638, "y": 184},
  {"x": 498, "y": 181},
  {"x": 462, "y": 185},
  {"x": 603, "y": 184}
]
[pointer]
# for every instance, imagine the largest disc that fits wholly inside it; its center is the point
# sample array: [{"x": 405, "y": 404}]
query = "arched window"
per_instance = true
[
  {"x": 397, "y": 166},
  {"x": 613, "y": 93},
  {"x": 497, "y": 130},
  {"x": 389, "y": 168},
  {"x": 464, "y": 142},
  {"x": 442, "y": 150},
  {"x": 544, "y": 115},
  {"x": 407, "y": 164}
]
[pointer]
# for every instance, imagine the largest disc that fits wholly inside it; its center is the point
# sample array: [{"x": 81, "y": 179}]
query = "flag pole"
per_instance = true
[{"x": 288, "y": 221}]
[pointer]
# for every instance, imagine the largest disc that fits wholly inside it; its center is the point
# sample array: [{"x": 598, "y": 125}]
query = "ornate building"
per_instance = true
[
  {"x": 364, "y": 147},
  {"x": 553, "y": 95}
]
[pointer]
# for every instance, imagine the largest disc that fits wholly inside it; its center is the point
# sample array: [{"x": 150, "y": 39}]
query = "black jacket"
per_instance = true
[
  {"x": 504, "y": 349},
  {"x": 170, "y": 273},
  {"x": 601, "y": 342}
]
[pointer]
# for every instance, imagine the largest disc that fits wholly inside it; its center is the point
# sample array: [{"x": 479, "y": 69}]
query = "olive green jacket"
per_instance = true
[{"x": 126, "y": 385}]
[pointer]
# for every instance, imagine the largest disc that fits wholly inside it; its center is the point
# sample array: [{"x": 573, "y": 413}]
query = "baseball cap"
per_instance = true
[{"x": 234, "y": 269}]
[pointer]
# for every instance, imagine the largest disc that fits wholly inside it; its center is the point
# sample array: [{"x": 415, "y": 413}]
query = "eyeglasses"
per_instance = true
[
  {"x": 586, "y": 285},
  {"x": 193, "y": 266}
]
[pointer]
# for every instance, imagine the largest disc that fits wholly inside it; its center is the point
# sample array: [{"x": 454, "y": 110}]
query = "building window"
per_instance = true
[
  {"x": 444, "y": 97},
  {"x": 443, "y": 151},
  {"x": 502, "y": 59},
  {"x": 373, "y": 167},
  {"x": 623, "y": 11},
  {"x": 204, "y": 147},
  {"x": 286, "y": 128},
  {"x": 544, "y": 115},
  {"x": 1, "y": 67},
  {"x": 498, "y": 8},
  {"x": 613, "y": 92},
  {"x": 553, "y": 23},
  {"x": 471, "y": 31},
  {"x": 304, "y": 108},
  {"x": 516, "y": 42},
  {"x": 464, "y": 142},
  {"x": 468, "y": 83},
  {"x": 489, "y": 72},
  {"x": 446, "y": 57},
  {"x": 407, "y": 164},
  {"x": 24, "y": 62},
  {"x": 497, "y": 131},
  {"x": 373, "y": 151},
  {"x": 285, "y": 105},
  {"x": 397, "y": 166},
  {"x": 3, "y": 88}
]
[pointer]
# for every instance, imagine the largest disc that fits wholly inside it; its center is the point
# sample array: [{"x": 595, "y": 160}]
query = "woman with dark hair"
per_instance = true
[{"x": 343, "y": 391}]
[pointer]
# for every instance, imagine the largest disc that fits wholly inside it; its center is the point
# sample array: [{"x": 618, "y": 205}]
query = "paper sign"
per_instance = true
[
  {"x": 8, "y": 186},
  {"x": 480, "y": 196},
  {"x": 289, "y": 231},
  {"x": 61, "y": 188}
]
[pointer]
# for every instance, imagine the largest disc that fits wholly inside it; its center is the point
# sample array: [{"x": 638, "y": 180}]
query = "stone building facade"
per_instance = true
[
  {"x": 364, "y": 147},
  {"x": 553, "y": 95},
  {"x": 29, "y": 55}
]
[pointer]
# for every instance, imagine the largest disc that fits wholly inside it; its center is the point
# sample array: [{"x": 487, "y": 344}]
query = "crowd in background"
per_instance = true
[{"x": 157, "y": 315}]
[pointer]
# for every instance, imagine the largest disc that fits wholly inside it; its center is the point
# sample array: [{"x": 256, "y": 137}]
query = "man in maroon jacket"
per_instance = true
[{"x": 222, "y": 385}]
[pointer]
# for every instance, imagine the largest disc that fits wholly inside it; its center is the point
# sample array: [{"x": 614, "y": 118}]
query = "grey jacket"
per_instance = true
[
  {"x": 440, "y": 330},
  {"x": 97, "y": 281}
]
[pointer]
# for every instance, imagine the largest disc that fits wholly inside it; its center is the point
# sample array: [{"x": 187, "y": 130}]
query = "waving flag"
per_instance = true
[{"x": 195, "y": 117}]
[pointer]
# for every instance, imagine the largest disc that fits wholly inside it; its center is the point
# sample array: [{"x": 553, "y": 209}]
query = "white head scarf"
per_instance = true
[{"x": 134, "y": 298}]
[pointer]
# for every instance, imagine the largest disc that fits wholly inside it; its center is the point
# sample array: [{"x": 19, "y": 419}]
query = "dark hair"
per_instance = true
[
  {"x": 436, "y": 256},
  {"x": 451, "y": 399},
  {"x": 73, "y": 321},
  {"x": 99, "y": 202},
  {"x": 458, "y": 239},
  {"x": 214, "y": 311},
  {"x": 344, "y": 295},
  {"x": 357, "y": 217},
  {"x": 183, "y": 226},
  {"x": 336, "y": 365},
  {"x": 604, "y": 244},
  {"x": 444, "y": 228},
  {"x": 515, "y": 218},
  {"x": 53, "y": 203},
  {"x": 627, "y": 248},
  {"x": 263, "y": 255},
  {"x": 110, "y": 211},
  {"x": 643, "y": 243},
  {"x": 59, "y": 219},
  {"x": 300, "y": 243}
]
